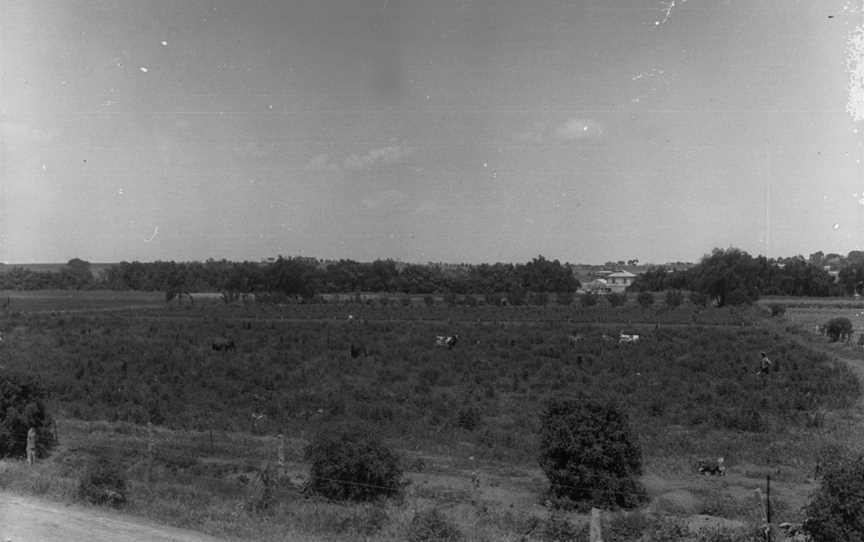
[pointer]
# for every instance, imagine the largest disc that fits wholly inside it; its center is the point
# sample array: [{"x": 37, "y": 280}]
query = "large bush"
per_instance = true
[
  {"x": 589, "y": 453},
  {"x": 838, "y": 328},
  {"x": 834, "y": 513},
  {"x": 22, "y": 407},
  {"x": 351, "y": 463}
]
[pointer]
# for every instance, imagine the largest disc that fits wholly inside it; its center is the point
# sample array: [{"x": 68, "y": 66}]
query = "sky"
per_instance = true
[{"x": 454, "y": 130}]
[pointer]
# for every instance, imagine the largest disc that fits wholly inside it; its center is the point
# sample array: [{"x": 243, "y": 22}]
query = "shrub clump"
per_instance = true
[
  {"x": 834, "y": 512},
  {"x": 674, "y": 298},
  {"x": 352, "y": 463},
  {"x": 432, "y": 526},
  {"x": 645, "y": 299},
  {"x": 103, "y": 483},
  {"x": 838, "y": 328},
  {"x": 22, "y": 407},
  {"x": 590, "y": 454}
]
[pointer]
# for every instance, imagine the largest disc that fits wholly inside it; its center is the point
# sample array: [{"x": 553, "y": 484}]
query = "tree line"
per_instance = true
[
  {"x": 725, "y": 276},
  {"x": 732, "y": 276},
  {"x": 304, "y": 277}
]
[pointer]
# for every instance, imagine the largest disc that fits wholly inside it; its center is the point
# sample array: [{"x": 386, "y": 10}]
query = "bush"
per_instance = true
[
  {"x": 838, "y": 328},
  {"x": 588, "y": 299},
  {"x": 616, "y": 300},
  {"x": 103, "y": 482},
  {"x": 540, "y": 299},
  {"x": 432, "y": 526},
  {"x": 834, "y": 512},
  {"x": 22, "y": 407},
  {"x": 351, "y": 463},
  {"x": 645, "y": 299},
  {"x": 589, "y": 453},
  {"x": 565, "y": 298},
  {"x": 674, "y": 298},
  {"x": 698, "y": 298}
]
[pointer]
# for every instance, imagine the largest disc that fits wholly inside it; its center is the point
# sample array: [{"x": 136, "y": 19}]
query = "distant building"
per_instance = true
[
  {"x": 620, "y": 281},
  {"x": 597, "y": 286}
]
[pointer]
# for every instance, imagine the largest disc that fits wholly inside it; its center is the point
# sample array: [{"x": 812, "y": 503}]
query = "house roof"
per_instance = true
[{"x": 622, "y": 275}]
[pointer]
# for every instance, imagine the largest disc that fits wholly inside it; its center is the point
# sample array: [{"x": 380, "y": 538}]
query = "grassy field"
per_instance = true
[
  {"x": 78, "y": 300},
  {"x": 688, "y": 385}
]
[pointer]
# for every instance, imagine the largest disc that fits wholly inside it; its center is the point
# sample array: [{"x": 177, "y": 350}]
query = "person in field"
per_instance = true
[{"x": 764, "y": 365}]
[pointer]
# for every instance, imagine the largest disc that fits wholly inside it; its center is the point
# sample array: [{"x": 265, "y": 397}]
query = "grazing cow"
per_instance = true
[
  {"x": 628, "y": 338},
  {"x": 223, "y": 345},
  {"x": 714, "y": 469},
  {"x": 607, "y": 338},
  {"x": 574, "y": 340},
  {"x": 447, "y": 340},
  {"x": 357, "y": 350}
]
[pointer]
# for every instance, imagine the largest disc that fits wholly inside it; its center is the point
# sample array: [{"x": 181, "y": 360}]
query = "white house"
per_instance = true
[{"x": 618, "y": 282}]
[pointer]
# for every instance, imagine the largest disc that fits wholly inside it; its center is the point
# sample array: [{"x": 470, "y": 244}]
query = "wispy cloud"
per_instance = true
[
  {"x": 20, "y": 133},
  {"x": 377, "y": 158},
  {"x": 567, "y": 131},
  {"x": 383, "y": 199},
  {"x": 322, "y": 164},
  {"x": 380, "y": 157}
]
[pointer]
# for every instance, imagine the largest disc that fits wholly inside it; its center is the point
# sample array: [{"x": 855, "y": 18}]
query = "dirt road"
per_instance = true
[{"x": 26, "y": 519}]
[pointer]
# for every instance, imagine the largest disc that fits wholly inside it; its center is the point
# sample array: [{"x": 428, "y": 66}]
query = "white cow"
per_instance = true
[
  {"x": 446, "y": 340},
  {"x": 628, "y": 338}
]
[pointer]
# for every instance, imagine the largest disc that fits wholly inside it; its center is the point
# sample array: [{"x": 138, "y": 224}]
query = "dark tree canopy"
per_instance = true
[
  {"x": 834, "y": 513},
  {"x": 589, "y": 452},
  {"x": 22, "y": 407}
]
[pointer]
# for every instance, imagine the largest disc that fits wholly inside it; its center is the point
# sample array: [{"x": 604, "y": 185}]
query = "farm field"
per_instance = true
[
  {"x": 688, "y": 386},
  {"x": 78, "y": 300}
]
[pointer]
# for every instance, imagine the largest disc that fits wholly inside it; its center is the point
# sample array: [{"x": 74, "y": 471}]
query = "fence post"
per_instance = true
[
  {"x": 281, "y": 454},
  {"x": 149, "y": 452},
  {"x": 31, "y": 446},
  {"x": 596, "y": 532},
  {"x": 768, "y": 534}
]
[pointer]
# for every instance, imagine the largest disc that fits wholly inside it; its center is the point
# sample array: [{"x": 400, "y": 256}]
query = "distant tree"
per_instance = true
[
  {"x": 645, "y": 299},
  {"x": 565, "y": 298},
  {"x": 838, "y": 328},
  {"x": 616, "y": 299},
  {"x": 589, "y": 453},
  {"x": 77, "y": 274},
  {"x": 674, "y": 298},
  {"x": 726, "y": 271}
]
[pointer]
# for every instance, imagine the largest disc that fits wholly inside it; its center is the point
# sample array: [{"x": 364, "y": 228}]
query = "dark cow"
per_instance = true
[
  {"x": 714, "y": 469},
  {"x": 223, "y": 345},
  {"x": 447, "y": 340},
  {"x": 357, "y": 350}
]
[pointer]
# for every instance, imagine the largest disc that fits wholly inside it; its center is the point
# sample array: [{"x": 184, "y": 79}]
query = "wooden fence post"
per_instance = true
[
  {"x": 149, "y": 452},
  {"x": 596, "y": 532},
  {"x": 31, "y": 446},
  {"x": 281, "y": 454}
]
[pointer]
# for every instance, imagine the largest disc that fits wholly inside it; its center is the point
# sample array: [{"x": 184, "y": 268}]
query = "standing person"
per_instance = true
[
  {"x": 764, "y": 365},
  {"x": 31, "y": 446}
]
